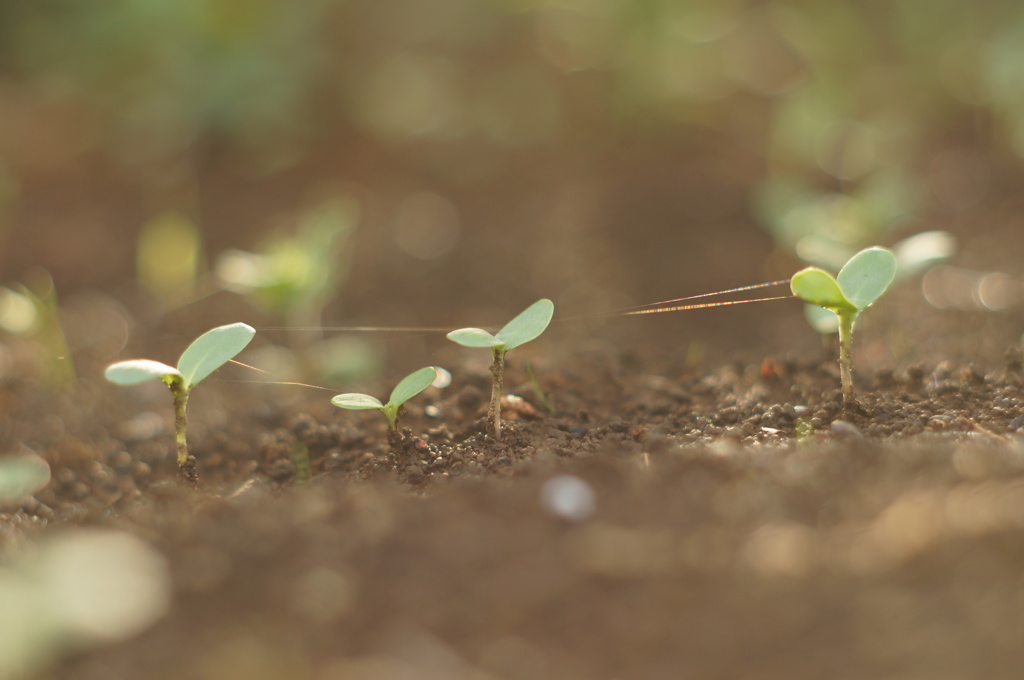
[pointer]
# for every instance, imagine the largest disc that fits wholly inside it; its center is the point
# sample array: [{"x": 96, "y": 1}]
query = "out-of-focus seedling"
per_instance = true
[
  {"x": 295, "y": 276},
  {"x": 206, "y": 354},
  {"x": 861, "y": 281},
  {"x": 30, "y": 310},
  {"x": 530, "y": 323},
  {"x": 406, "y": 389},
  {"x": 168, "y": 254},
  {"x": 21, "y": 476}
]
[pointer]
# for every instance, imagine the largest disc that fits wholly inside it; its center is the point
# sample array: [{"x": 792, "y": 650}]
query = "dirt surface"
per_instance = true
[{"x": 743, "y": 524}]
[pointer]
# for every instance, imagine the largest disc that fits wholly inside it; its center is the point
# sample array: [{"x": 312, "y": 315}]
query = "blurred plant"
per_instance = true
[
  {"x": 861, "y": 281},
  {"x": 406, "y": 389},
  {"x": 30, "y": 311},
  {"x": 527, "y": 326},
  {"x": 168, "y": 254},
  {"x": 206, "y": 354},
  {"x": 294, "y": 277},
  {"x": 22, "y": 476},
  {"x": 168, "y": 75},
  {"x": 74, "y": 590},
  {"x": 538, "y": 391}
]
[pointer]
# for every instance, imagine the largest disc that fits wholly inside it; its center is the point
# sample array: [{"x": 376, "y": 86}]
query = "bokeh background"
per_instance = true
[
  {"x": 446, "y": 162},
  {"x": 171, "y": 165}
]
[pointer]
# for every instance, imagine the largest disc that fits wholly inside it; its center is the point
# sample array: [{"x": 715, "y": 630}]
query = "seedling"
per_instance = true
[
  {"x": 206, "y": 354},
  {"x": 530, "y": 323},
  {"x": 861, "y": 281},
  {"x": 406, "y": 389}
]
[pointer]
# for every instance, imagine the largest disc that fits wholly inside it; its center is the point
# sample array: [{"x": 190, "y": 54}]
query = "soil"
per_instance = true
[{"x": 744, "y": 523}]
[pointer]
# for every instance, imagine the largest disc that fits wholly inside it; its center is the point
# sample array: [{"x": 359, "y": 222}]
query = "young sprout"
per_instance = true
[
  {"x": 530, "y": 323},
  {"x": 861, "y": 281},
  {"x": 206, "y": 354},
  {"x": 406, "y": 389}
]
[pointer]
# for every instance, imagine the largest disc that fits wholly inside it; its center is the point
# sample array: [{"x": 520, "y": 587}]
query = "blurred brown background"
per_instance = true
[{"x": 603, "y": 153}]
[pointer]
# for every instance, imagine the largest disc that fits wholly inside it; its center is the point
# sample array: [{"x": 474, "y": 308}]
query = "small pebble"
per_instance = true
[
  {"x": 845, "y": 430},
  {"x": 569, "y": 497}
]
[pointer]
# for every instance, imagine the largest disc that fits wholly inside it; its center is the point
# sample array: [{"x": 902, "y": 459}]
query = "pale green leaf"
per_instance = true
[
  {"x": 413, "y": 384},
  {"x": 866, "y": 276},
  {"x": 915, "y": 254},
  {"x": 474, "y": 337},
  {"x": 817, "y": 287},
  {"x": 530, "y": 323},
  {"x": 354, "y": 401},
  {"x": 138, "y": 371},
  {"x": 213, "y": 349},
  {"x": 22, "y": 475}
]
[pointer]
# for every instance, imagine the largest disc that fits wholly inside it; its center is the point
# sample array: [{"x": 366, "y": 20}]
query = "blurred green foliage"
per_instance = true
[
  {"x": 163, "y": 74},
  {"x": 30, "y": 311},
  {"x": 844, "y": 100},
  {"x": 296, "y": 276},
  {"x": 168, "y": 254}
]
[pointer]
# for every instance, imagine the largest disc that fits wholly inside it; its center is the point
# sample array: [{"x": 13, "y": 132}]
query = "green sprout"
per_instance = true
[
  {"x": 530, "y": 323},
  {"x": 861, "y": 281},
  {"x": 206, "y": 354},
  {"x": 406, "y": 389}
]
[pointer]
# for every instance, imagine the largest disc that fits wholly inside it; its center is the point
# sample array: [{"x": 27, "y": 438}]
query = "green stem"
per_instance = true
[
  {"x": 497, "y": 386},
  {"x": 846, "y": 320},
  {"x": 391, "y": 413},
  {"x": 186, "y": 461}
]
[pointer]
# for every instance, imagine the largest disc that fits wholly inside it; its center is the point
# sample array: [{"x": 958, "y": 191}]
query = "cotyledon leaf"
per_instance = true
[
  {"x": 817, "y": 287},
  {"x": 528, "y": 325},
  {"x": 866, "y": 276},
  {"x": 135, "y": 371},
  {"x": 355, "y": 401},
  {"x": 474, "y": 337},
  {"x": 213, "y": 349},
  {"x": 413, "y": 384}
]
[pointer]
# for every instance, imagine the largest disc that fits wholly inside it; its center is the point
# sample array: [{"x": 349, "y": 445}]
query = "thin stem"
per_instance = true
[
  {"x": 391, "y": 413},
  {"x": 395, "y": 439},
  {"x": 846, "y": 320},
  {"x": 497, "y": 386},
  {"x": 186, "y": 461}
]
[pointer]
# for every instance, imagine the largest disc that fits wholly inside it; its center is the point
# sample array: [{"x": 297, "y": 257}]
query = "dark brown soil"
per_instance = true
[{"x": 746, "y": 525}]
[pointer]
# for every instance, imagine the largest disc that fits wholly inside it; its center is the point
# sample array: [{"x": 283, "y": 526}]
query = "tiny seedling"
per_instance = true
[
  {"x": 406, "y": 389},
  {"x": 530, "y": 323},
  {"x": 861, "y": 281},
  {"x": 206, "y": 354}
]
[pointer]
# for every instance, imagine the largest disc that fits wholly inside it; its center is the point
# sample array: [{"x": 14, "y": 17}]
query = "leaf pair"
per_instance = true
[
  {"x": 861, "y": 281},
  {"x": 527, "y": 326},
  {"x": 206, "y": 354},
  {"x": 406, "y": 389}
]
